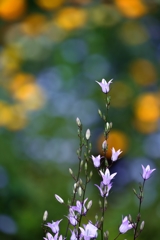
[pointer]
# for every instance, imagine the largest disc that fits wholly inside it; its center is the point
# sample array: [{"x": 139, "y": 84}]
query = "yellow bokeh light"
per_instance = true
[
  {"x": 31, "y": 95},
  {"x": 71, "y": 18},
  {"x": 49, "y": 4},
  {"x": 147, "y": 108},
  {"x": 133, "y": 33},
  {"x": 131, "y": 8},
  {"x": 116, "y": 139},
  {"x": 24, "y": 89},
  {"x": 12, "y": 9},
  {"x": 143, "y": 72},
  {"x": 19, "y": 80},
  {"x": 34, "y": 24}
]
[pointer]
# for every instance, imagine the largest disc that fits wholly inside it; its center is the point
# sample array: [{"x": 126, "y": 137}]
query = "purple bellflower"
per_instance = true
[
  {"x": 104, "y": 189},
  {"x": 125, "y": 226},
  {"x": 57, "y": 238},
  {"x": 147, "y": 172},
  {"x": 107, "y": 177},
  {"x": 74, "y": 234},
  {"x": 49, "y": 237},
  {"x": 80, "y": 207},
  {"x": 89, "y": 231},
  {"x": 96, "y": 161},
  {"x": 115, "y": 154},
  {"x": 72, "y": 217},
  {"x": 54, "y": 226},
  {"x": 104, "y": 85}
]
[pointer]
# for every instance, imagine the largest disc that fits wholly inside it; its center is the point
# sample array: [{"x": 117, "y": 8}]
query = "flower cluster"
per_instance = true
[{"x": 79, "y": 205}]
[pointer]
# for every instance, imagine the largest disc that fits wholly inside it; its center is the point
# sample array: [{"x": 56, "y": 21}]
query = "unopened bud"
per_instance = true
[
  {"x": 134, "y": 191},
  {"x": 106, "y": 235},
  {"x": 104, "y": 145},
  {"x": 111, "y": 124},
  {"x": 89, "y": 205},
  {"x": 107, "y": 126},
  {"x": 80, "y": 191},
  {"x": 91, "y": 174},
  {"x": 102, "y": 219},
  {"x": 130, "y": 218},
  {"x": 80, "y": 181},
  {"x": 82, "y": 163},
  {"x": 70, "y": 171},
  {"x": 75, "y": 186},
  {"x": 85, "y": 166},
  {"x": 100, "y": 113},
  {"x": 59, "y": 199},
  {"x": 96, "y": 218},
  {"x": 88, "y": 134},
  {"x": 45, "y": 215},
  {"x": 78, "y": 122},
  {"x": 142, "y": 225}
]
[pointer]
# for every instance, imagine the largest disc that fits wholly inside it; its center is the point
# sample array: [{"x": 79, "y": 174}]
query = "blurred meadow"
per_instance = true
[{"x": 51, "y": 54}]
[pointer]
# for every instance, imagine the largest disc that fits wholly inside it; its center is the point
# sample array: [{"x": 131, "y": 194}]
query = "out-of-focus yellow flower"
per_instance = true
[
  {"x": 116, "y": 139},
  {"x": 31, "y": 95},
  {"x": 12, "y": 117},
  {"x": 131, "y": 8},
  {"x": 147, "y": 108},
  {"x": 19, "y": 80},
  {"x": 147, "y": 113},
  {"x": 71, "y": 18},
  {"x": 143, "y": 72},
  {"x": 49, "y": 4},
  {"x": 34, "y": 24},
  {"x": 133, "y": 33},
  {"x": 104, "y": 15},
  {"x": 12, "y": 9},
  {"x": 121, "y": 98},
  {"x": 25, "y": 90}
]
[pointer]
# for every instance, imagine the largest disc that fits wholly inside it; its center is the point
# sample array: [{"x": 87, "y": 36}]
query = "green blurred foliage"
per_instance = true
[{"x": 50, "y": 58}]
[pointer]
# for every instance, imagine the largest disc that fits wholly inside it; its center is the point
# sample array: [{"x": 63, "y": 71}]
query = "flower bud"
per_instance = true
[
  {"x": 91, "y": 174},
  {"x": 142, "y": 225},
  {"x": 89, "y": 205},
  {"x": 75, "y": 186},
  {"x": 80, "y": 191},
  {"x": 100, "y": 113},
  {"x": 106, "y": 235},
  {"x": 107, "y": 126},
  {"x": 85, "y": 166},
  {"x": 102, "y": 219},
  {"x": 59, "y": 199},
  {"x": 70, "y": 171},
  {"x": 96, "y": 218},
  {"x": 88, "y": 134},
  {"x": 45, "y": 215},
  {"x": 130, "y": 218},
  {"x": 104, "y": 145},
  {"x": 78, "y": 122}
]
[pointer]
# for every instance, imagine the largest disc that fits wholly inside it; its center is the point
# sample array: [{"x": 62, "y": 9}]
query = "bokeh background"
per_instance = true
[{"x": 51, "y": 54}]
